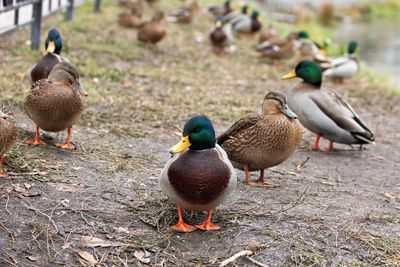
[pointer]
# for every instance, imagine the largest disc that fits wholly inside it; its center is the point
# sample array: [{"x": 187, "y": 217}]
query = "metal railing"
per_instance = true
[{"x": 7, "y": 7}]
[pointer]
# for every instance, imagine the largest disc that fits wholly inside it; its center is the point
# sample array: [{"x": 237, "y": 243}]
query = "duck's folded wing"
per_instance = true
[
  {"x": 338, "y": 110},
  {"x": 242, "y": 124}
]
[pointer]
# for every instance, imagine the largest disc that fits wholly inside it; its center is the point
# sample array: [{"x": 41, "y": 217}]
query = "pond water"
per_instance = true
[{"x": 379, "y": 44}]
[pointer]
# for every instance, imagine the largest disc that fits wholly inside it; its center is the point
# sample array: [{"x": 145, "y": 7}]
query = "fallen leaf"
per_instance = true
[
  {"x": 17, "y": 188},
  {"x": 391, "y": 197},
  {"x": 89, "y": 241},
  {"x": 140, "y": 255},
  {"x": 122, "y": 230},
  {"x": 88, "y": 257},
  {"x": 32, "y": 258}
]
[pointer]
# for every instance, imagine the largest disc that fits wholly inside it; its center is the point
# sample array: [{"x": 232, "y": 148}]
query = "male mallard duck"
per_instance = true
[
  {"x": 244, "y": 11},
  {"x": 130, "y": 20},
  {"x": 246, "y": 24},
  {"x": 343, "y": 67},
  {"x": 267, "y": 34},
  {"x": 259, "y": 141},
  {"x": 308, "y": 48},
  {"x": 201, "y": 177},
  {"x": 219, "y": 10},
  {"x": 152, "y": 31},
  {"x": 185, "y": 14},
  {"x": 55, "y": 104},
  {"x": 219, "y": 38},
  {"x": 8, "y": 134},
  {"x": 53, "y": 46},
  {"x": 323, "y": 112},
  {"x": 277, "y": 48}
]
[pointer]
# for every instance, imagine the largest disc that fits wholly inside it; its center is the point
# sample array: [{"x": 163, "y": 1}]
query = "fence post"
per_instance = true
[
  {"x": 97, "y": 5},
  {"x": 70, "y": 10},
  {"x": 37, "y": 21}
]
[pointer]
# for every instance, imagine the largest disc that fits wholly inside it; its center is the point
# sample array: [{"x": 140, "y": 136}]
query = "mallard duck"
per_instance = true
[
  {"x": 244, "y": 11},
  {"x": 134, "y": 6},
  {"x": 130, "y": 20},
  {"x": 307, "y": 47},
  {"x": 219, "y": 38},
  {"x": 8, "y": 134},
  {"x": 246, "y": 24},
  {"x": 267, "y": 34},
  {"x": 219, "y": 10},
  {"x": 152, "y": 31},
  {"x": 55, "y": 103},
  {"x": 343, "y": 67},
  {"x": 53, "y": 46},
  {"x": 277, "y": 48},
  {"x": 259, "y": 141},
  {"x": 322, "y": 111},
  {"x": 185, "y": 14},
  {"x": 201, "y": 177}
]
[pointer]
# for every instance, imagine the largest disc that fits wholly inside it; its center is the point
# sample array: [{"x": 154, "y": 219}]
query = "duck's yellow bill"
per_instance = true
[
  {"x": 290, "y": 75},
  {"x": 181, "y": 146},
  {"x": 51, "y": 47}
]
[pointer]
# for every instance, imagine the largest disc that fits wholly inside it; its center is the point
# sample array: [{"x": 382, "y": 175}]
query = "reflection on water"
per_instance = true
[{"x": 379, "y": 44}]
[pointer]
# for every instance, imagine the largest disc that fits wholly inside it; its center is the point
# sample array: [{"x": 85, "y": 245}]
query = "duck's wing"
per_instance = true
[
  {"x": 241, "y": 23},
  {"x": 239, "y": 126},
  {"x": 340, "y": 111}
]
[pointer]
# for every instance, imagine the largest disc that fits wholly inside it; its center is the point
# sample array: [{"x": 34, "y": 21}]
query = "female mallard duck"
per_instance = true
[
  {"x": 55, "y": 104},
  {"x": 185, "y": 14},
  {"x": 201, "y": 177},
  {"x": 277, "y": 48},
  {"x": 53, "y": 46},
  {"x": 152, "y": 31},
  {"x": 219, "y": 38},
  {"x": 259, "y": 141},
  {"x": 267, "y": 34},
  {"x": 8, "y": 134},
  {"x": 246, "y": 24},
  {"x": 130, "y": 20},
  {"x": 343, "y": 67},
  {"x": 323, "y": 112}
]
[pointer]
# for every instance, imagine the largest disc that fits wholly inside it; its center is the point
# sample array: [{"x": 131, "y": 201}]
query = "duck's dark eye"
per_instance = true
[{"x": 196, "y": 130}]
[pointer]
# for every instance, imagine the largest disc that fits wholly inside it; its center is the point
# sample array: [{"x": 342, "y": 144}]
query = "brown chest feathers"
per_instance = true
[{"x": 199, "y": 177}]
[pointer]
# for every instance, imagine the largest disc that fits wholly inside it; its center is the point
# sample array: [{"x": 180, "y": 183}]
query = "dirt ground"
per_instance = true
[{"x": 101, "y": 205}]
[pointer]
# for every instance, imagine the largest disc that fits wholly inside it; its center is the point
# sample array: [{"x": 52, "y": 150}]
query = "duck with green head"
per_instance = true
[
  {"x": 8, "y": 134},
  {"x": 345, "y": 67},
  {"x": 199, "y": 178},
  {"x": 53, "y": 47},
  {"x": 259, "y": 141},
  {"x": 55, "y": 103},
  {"x": 246, "y": 24},
  {"x": 308, "y": 49},
  {"x": 322, "y": 111}
]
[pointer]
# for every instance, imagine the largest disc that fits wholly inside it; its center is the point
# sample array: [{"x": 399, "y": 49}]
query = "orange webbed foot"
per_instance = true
[
  {"x": 206, "y": 226},
  {"x": 69, "y": 146},
  {"x": 183, "y": 227},
  {"x": 35, "y": 141}
]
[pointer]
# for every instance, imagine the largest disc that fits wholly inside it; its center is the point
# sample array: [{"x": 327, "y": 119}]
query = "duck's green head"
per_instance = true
[
  {"x": 351, "y": 49},
  {"x": 303, "y": 35},
  {"x": 308, "y": 71},
  {"x": 53, "y": 42},
  {"x": 255, "y": 15},
  {"x": 198, "y": 134}
]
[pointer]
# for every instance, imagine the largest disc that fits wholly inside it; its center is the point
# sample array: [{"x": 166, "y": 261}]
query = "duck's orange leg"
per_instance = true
[
  {"x": 263, "y": 183},
  {"x": 3, "y": 172},
  {"x": 67, "y": 144},
  {"x": 330, "y": 146},
  {"x": 207, "y": 225},
  {"x": 249, "y": 181},
  {"x": 36, "y": 140},
  {"x": 181, "y": 226},
  {"x": 316, "y": 143}
]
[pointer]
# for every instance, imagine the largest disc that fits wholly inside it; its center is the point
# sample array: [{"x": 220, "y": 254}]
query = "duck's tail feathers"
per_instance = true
[
  {"x": 365, "y": 137},
  {"x": 222, "y": 138}
]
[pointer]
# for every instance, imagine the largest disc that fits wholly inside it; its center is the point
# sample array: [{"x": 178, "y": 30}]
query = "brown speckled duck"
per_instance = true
[
  {"x": 152, "y": 31},
  {"x": 260, "y": 141},
  {"x": 8, "y": 134},
  {"x": 55, "y": 104},
  {"x": 185, "y": 14},
  {"x": 130, "y": 20},
  {"x": 201, "y": 177},
  {"x": 53, "y": 46}
]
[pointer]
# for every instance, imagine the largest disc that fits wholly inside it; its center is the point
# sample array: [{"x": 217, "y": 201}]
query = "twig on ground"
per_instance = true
[
  {"x": 236, "y": 256},
  {"x": 300, "y": 167}
]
